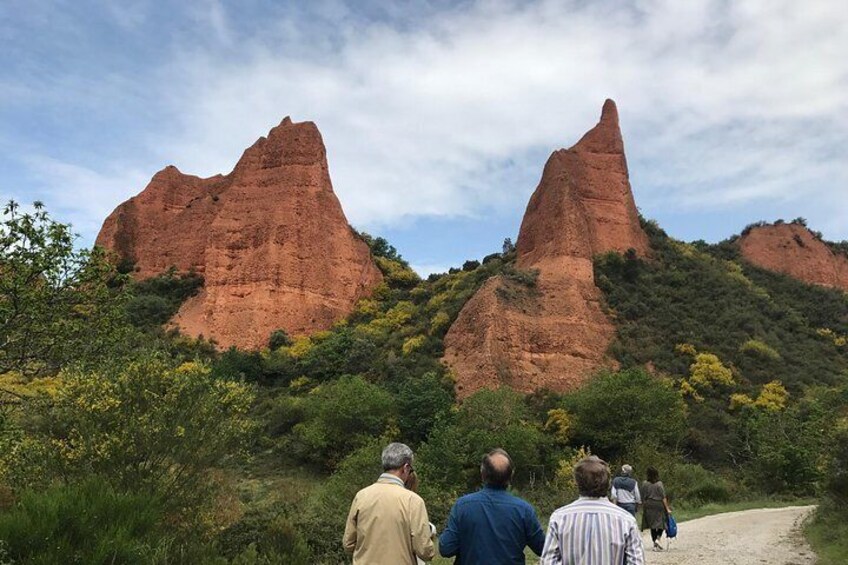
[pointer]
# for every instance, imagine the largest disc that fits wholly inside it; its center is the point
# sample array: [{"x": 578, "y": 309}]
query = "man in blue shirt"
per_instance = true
[{"x": 491, "y": 526}]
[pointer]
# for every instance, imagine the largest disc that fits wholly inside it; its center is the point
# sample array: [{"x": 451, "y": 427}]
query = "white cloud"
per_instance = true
[
  {"x": 723, "y": 104},
  {"x": 415, "y": 119},
  {"x": 84, "y": 195}
]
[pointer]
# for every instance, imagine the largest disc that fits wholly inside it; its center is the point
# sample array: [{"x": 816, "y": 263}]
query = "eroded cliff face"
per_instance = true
[
  {"x": 793, "y": 250},
  {"x": 270, "y": 239},
  {"x": 556, "y": 335}
]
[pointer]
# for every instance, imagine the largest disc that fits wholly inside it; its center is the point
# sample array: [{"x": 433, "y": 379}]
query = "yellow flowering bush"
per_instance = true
[
  {"x": 561, "y": 424},
  {"x": 708, "y": 371},
  {"x": 148, "y": 425},
  {"x": 412, "y": 344}
]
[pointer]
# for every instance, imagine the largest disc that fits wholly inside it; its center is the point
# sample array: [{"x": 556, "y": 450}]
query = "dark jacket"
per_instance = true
[{"x": 491, "y": 527}]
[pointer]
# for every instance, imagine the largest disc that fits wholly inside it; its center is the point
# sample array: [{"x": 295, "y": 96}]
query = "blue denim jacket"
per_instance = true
[{"x": 491, "y": 527}]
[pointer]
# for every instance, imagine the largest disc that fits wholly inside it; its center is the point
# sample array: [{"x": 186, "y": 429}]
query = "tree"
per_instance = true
[
  {"x": 615, "y": 411},
  {"x": 342, "y": 416},
  {"x": 57, "y": 304},
  {"x": 148, "y": 426},
  {"x": 325, "y": 512},
  {"x": 278, "y": 339},
  {"x": 487, "y": 419},
  {"x": 421, "y": 402}
]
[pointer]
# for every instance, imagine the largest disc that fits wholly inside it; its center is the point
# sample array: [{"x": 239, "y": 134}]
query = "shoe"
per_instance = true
[{"x": 658, "y": 547}]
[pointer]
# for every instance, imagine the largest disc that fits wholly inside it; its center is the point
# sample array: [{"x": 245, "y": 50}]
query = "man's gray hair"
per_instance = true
[
  {"x": 396, "y": 455},
  {"x": 626, "y": 470}
]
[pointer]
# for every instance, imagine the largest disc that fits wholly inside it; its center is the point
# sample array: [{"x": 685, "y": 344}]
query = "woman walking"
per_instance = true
[{"x": 655, "y": 507}]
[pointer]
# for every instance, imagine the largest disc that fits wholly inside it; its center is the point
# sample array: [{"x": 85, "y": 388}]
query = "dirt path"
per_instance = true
[{"x": 763, "y": 536}]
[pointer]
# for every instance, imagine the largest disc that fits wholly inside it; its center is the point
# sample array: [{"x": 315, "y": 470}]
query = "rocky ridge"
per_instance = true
[
  {"x": 556, "y": 334},
  {"x": 793, "y": 250},
  {"x": 270, "y": 239}
]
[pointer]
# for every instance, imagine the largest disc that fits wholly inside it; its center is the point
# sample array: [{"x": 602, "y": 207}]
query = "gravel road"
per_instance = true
[{"x": 750, "y": 537}]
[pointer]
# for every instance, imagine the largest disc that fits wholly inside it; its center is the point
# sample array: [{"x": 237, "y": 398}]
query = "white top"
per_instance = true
[{"x": 625, "y": 496}]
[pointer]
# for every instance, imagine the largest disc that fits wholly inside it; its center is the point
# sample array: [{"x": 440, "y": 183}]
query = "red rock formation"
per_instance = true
[
  {"x": 270, "y": 239},
  {"x": 793, "y": 250},
  {"x": 556, "y": 335}
]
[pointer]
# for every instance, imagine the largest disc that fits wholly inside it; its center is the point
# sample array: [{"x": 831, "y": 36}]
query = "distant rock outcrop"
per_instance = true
[
  {"x": 556, "y": 334},
  {"x": 793, "y": 250},
  {"x": 270, "y": 239}
]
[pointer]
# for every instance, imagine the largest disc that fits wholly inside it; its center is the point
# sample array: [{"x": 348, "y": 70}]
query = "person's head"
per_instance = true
[
  {"x": 627, "y": 470},
  {"x": 653, "y": 474},
  {"x": 397, "y": 460},
  {"x": 496, "y": 468},
  {"x": 592, "y": 476}
]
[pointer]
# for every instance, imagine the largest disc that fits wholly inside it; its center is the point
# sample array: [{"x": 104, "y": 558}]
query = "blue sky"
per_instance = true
[{"x": 438, "y": 116}]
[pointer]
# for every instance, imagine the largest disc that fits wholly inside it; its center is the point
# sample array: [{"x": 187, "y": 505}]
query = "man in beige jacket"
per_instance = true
[{"x": 387, "y": 523}]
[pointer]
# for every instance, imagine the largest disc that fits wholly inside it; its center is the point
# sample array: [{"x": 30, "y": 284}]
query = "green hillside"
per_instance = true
[{"x": 732, "y": 382}]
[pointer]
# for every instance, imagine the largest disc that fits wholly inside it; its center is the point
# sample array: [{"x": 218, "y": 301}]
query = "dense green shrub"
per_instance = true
[
  {"x": 279, "y": 338},
  {"x": 616, "y": 411},
  {"x": 280, "y": 413},
  {"x": 149, "y": 426},
  {"x": 260, "y": 537},
  {"x": 341, "y": 417},
  {"x": 341, "y": 352},
  {"x": 486, "y": 420},
  {"x": 704, "y": 296},
  {"x": 837, "y": 481},
  {"x": 237, "y": 364},
  {"x": 323, "y": 518},
  {"x": 781, "y": 450},
  {"x": 85, "y": 523},
  {"x": 155, "y": 300},
  {"x": 421, "y": 402}
]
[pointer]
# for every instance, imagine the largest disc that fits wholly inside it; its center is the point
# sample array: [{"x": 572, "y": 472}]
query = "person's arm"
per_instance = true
[
  {"x": 634, "y": 552},
  {"x": 422, "y": 535},
  {"x": 664, "y": 498},
  {"x": 637, "y": 495},
  {"x": 550, "y": 552},
  {"x": 349, "y": 539},
  {"x": 449, "y": 540},
  {"x": 614, "y": 494},
  {"x": 533, "y": 532}
]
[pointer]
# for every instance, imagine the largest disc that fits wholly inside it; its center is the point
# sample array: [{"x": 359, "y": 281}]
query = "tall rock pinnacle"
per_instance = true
[
  {"x": 270, "y": 239},
  {"x": 557, "y": 335},
  {"x": 583, "y": 204}
]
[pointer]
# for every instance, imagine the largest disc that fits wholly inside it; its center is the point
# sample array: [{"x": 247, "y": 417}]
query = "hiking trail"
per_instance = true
[{"x": 759, "y": 536}]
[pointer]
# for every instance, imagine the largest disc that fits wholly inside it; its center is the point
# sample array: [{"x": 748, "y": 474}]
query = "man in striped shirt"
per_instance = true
[{"x": 592, "y": 530}]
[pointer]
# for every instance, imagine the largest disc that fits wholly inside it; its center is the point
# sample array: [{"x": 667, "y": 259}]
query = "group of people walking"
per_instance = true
[{"x": 388, "y": 523}]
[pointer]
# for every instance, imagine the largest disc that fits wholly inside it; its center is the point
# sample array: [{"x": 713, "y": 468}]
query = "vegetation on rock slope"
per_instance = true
[{"x": 253, "y": 457}]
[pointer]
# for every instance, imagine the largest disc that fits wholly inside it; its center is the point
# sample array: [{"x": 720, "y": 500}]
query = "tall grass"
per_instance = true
[{"x": 827, "y": 532}]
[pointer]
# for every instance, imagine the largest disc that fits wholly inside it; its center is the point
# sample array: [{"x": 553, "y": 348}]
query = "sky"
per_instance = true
[{"x": 437, "y": 116}]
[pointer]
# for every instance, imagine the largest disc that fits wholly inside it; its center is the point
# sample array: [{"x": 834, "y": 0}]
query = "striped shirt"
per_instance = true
[{"x": 592, "y": 531}]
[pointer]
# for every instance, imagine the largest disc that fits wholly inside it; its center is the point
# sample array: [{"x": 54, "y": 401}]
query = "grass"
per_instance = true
[
  {"x": 827, "y": 533},
  {"x": 683, "y": 514}
]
